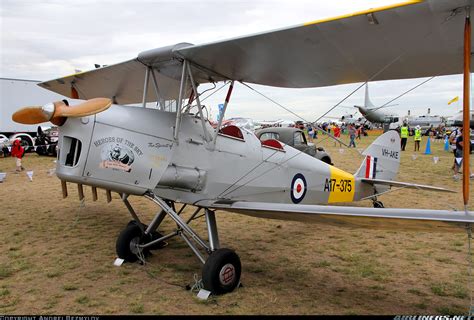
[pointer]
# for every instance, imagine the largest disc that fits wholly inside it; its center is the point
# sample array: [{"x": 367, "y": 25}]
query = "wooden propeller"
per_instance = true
[{"x": 57, "y": 112}]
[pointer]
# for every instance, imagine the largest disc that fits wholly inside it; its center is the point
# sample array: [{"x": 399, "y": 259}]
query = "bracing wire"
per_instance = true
[
  {"x": 246, "y": 174},
  {"x": 452, "y": 14},
  {"x": 226, "y": 192},
  {"x": 293, "y": 113},
  {"x": 217, "y": 90},
  {"x": 404, "y": 93}
]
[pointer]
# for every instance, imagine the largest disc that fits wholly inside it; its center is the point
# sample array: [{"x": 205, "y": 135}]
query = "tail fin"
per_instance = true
[
  {"x": 382, "y": 159},
  {"x": 367, "y": 103}
]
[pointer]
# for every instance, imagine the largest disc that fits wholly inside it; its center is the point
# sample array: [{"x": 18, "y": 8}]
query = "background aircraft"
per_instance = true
[
  {"x": 456, "y": 120},
  {"x": 425, "y": 121},
  {"x": 374, "y": 114}
]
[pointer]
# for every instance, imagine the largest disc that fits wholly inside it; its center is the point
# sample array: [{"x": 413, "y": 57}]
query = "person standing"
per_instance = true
[
  {"x": 452, "y": 142},
  {"x": 458, "y": 156},
  {"x": 417, "y": 138},
  {"x": 358, "y": 131},
  {"x": 337, "y": 134},
  {"x": 404, "y": 135},
  {"x": 17, "y": 153},
  {"x": 310, "y": 132},
  {"x": 352, "y": 135}
]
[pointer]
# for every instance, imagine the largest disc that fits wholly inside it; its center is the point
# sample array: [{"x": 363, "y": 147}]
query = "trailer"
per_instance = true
[{"x": 16, "y": 93}]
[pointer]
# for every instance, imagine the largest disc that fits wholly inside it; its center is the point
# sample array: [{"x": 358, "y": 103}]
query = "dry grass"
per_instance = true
[{"x": 56, "y": 257}]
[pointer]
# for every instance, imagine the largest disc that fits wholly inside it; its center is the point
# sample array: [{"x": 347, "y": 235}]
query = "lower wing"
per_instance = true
[{"x": 355, "y": 217}]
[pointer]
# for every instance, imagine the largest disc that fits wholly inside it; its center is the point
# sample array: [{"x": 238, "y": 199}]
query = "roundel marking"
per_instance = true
[{"x": 298, "y": 188}]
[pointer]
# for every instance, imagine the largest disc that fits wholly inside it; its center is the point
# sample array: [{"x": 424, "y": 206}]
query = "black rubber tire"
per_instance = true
[
  {"x": 154, "y": 235},
  {"x": 131, "y": 234},
  {"x": 41, "y": 150},
  {"x": 221, "y": 263},
  {"x": 27, "y": 144},
  {"x": 52, "y": 150},
  {"x": 378, "y": 204},
  {"x": 326, "y": 160},
  {"x": 133, "y": 222}
]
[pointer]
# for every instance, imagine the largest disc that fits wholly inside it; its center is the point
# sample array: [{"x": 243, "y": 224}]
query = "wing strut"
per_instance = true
[
  {"x": 198, "y": 101},
  {"x": 145, "y": 86},
  {"x": 221, "y": 117},
  {"x": 160, "y": 101},
  {"x": 182, "y": 88},
  {"x": 466, "y": 108}
]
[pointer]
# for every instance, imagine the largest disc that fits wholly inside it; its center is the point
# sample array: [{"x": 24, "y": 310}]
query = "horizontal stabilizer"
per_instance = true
[{"x": 404, "y": 185}]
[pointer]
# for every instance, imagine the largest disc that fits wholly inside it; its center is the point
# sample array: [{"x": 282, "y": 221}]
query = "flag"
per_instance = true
[{"x": 453, "y": 100}]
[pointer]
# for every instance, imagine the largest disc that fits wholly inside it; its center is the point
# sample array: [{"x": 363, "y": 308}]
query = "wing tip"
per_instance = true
[{"x": 364, "y": 12}]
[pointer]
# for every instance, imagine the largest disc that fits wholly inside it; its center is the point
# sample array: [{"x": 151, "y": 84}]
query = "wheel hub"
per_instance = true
[
  {"x": 227, "y": 274},
  {"x": 133, "y": 245}
]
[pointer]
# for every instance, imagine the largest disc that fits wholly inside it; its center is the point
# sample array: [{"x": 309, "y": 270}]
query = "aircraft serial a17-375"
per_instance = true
[{"x": 171, "y": 154}]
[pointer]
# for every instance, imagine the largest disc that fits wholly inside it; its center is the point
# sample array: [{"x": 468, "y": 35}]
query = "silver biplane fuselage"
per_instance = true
[{"x": 132, "y": 150}]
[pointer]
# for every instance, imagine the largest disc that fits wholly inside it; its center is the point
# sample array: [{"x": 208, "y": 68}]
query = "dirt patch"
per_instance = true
[{"x": 56, "y": 256}]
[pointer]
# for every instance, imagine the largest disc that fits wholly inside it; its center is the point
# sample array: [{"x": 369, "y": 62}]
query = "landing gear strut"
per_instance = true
[{"x": 221, "y": 267}]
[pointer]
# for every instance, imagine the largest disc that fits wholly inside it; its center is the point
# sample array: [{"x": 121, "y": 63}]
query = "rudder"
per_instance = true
[{"x": 382, "y": 158}]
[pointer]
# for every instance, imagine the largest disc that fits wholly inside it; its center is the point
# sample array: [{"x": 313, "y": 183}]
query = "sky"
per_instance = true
[{"x": 45, "y": 39}]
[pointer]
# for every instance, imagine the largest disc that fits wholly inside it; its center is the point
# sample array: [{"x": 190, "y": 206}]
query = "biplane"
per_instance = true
[{"x": 170, "y": 154}]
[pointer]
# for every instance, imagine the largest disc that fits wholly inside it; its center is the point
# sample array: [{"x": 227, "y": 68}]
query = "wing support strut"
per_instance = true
[
  {"x": 198, "y": 101},
  {"x": 466, "y": 108},
  {"x": 180, "y": 100},
  {"x": 159, "y": 99},
  {"x": 221, "y": 117},
  {"x": 145, "y": 86}
]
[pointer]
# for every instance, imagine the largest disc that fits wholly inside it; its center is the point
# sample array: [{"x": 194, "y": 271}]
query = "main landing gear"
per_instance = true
[
  {"x": 131, "y": 237},
  {"x": 221, "y": 267}
]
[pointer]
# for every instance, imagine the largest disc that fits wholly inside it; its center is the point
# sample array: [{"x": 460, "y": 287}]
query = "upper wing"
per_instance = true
[
  {"x": 404, "y": 185},
  {"x": 122, "y": 82},
  {"x": 408, "y": 40},
  {"x": 360, "y": 217}
]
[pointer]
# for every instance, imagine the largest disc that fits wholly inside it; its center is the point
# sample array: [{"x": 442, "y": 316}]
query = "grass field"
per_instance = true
[{"x": 56, "y": 256}]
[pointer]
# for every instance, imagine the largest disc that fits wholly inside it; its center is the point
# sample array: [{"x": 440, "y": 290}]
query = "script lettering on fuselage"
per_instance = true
[{"x": 390, "y": 153}]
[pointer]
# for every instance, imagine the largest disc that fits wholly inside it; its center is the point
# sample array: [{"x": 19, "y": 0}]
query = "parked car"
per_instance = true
[
  {"x": 47, "y": 141},
  {"x": 5, "y": 146},
  {"x": 295, "y": 138}
]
